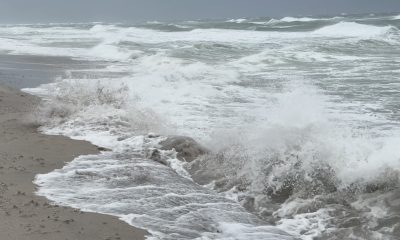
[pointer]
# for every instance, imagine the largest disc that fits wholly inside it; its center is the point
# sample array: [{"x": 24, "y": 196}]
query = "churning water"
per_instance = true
[{"x": 301, "y": 117}]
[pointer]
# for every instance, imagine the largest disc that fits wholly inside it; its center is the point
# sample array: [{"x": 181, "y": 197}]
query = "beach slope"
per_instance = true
[{"x": 24, "y": 153}]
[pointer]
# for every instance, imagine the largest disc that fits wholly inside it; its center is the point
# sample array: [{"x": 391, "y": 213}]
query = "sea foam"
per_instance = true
[
  {"x": 293, "y": 119},
  {"x": 352, "y": 29}
]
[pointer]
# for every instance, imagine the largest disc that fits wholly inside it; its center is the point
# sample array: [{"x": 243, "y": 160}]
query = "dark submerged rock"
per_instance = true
[
  {"x": 187, "y": 148},
  {"x": 155, "y": 155},
  {"x": 103, "y": 149}
]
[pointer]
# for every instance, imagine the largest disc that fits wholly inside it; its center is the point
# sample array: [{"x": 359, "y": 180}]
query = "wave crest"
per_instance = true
[
  {"x": 301, "y": 19},
  {"x": 300, "y": 154},
  {"x": 352, "y": 29},
  {"x": 84, "y": 108}
]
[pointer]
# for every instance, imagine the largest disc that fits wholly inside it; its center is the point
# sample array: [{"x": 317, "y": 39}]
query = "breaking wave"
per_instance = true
[
  {"x": 302, "y": 19},
  {"x": 352, "y": 29},
  {"x": 292, "y": 168},
  {"x": 239, "y": 20}
]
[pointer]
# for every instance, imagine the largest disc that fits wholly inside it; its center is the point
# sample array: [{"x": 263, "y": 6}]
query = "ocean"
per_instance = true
[{"x": 300, "y": 116}]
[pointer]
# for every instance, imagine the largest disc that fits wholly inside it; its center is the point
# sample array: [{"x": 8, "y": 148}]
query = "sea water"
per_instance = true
[{"x": 300, "y": 115}]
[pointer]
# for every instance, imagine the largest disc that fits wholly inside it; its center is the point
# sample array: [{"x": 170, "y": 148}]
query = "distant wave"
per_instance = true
[
  {"x": 239, "y": 20},
  {"x": 396, "y": 17},
  {"x": 282, "y": 20},
  {"x": 302, "y": 19},
  {"x": 352, "y": 29},
  {"x": 295, "y": 19}
]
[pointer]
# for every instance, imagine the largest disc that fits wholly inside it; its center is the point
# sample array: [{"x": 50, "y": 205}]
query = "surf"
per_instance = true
[{"x": 301, "y": 127}]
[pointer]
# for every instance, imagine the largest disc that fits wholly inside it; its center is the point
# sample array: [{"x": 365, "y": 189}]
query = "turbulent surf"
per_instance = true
[{"x": 277, "y": 128}]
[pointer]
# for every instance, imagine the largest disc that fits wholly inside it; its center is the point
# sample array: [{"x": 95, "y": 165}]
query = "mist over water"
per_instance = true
[{"x": 301, "y": 117}]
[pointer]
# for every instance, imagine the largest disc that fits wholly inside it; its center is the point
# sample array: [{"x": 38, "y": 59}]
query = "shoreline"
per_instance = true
[{"x": 24, "y": 153}]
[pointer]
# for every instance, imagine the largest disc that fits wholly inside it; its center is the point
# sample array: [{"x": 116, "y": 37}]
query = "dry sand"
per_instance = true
[{"x": 24, "y": 153}]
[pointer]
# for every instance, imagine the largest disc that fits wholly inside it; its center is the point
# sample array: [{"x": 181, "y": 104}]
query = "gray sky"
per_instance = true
[{"x": 27, "y": 11}]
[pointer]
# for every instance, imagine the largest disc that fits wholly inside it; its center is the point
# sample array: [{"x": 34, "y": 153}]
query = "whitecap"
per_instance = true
[{"x": 352, "y": 29}]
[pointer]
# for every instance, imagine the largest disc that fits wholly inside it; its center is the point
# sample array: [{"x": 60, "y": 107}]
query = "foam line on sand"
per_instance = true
[{"x": 24, "y": 153}]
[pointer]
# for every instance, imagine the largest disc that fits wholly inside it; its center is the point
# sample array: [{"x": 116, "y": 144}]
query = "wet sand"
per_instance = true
[
  {"x": 24, "y": 153},
  {"x": 24, "y": 71}
]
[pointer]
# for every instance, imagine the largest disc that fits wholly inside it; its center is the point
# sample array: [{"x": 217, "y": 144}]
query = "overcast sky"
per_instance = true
[{"x": 27, "y": 11}]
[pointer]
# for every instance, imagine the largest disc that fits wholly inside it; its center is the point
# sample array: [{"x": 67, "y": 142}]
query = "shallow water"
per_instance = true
[{"x": 301, "y": 116}]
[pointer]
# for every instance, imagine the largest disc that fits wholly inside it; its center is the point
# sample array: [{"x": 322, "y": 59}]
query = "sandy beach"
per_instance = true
[{"x": 24, "y": 153}]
